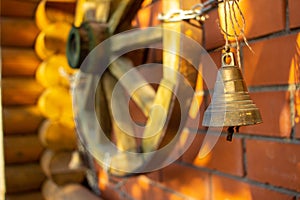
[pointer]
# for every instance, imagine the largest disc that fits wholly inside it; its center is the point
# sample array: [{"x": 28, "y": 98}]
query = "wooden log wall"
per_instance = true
[
  {"x": 20, "y": 91},
  {"x": 35, "y": 148}
]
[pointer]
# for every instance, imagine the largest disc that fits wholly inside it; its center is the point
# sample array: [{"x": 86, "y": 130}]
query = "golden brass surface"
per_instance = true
[{"x": 231, "y": 103}]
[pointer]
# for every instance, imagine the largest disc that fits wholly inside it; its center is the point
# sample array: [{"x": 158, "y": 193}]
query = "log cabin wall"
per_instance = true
[
  {"x": 35, "y": 148},
  {"x": 20, "y": 91}
]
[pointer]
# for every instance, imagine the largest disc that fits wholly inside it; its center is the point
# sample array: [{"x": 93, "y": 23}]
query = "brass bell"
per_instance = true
[{"x": 231, "y": 104}]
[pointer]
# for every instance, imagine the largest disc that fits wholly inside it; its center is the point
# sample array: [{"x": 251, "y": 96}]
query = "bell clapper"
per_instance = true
[{"x": 230, "y": 132}]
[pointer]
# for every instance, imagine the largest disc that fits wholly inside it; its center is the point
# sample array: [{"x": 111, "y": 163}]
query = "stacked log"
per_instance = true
[
  {"x": 60, "y": 161},
  {"x": 20, "y": 92},
  {"x": 37, "y": 149}
]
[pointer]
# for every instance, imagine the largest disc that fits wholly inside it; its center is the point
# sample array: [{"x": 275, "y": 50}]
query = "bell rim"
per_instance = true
[{"x": 232, "y": 118}]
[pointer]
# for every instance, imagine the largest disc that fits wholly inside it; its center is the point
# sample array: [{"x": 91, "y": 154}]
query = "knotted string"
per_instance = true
[{"x": 231, "y": 5}]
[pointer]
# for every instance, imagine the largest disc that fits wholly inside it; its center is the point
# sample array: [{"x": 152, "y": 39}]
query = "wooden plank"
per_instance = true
[
  {"x": 19, "y": 62},
  {"x": 26, "y": 8},
  {"x": 25, "y": 196},
  {"x": 20, "y": 91},
  {"x": 2, "y": 179},
  {"x": 125, "y": 12},
  {"x": 116, "y": 17},
  {"x": 57, "y": 137},
  {"x": 155, "y": 131},
  {"x": 22, "y": 149},
  {"x": 136, "y": 39},
  {"x": 123, "y": 140},
  {"x": 79, "y": 13},
  {"x": 27, "y": 118},
  {"x": 102, "y": 110},
  {"x": 164, "y": 94},
  {"x": 56, "y": 166},
  {"x": 51, "y": 191},
  {"x": 145, "y": 95},
  {"x": 17, "y": 32},
  {"x": 23, "y": 178}
]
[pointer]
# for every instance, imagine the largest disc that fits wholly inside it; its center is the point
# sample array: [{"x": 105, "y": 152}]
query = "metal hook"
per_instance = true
[{"x": 178, "y": 15}]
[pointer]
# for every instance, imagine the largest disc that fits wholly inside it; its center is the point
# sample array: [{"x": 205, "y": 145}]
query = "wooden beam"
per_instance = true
[
  {"x": 116, "y": 17},
  {"x": 124, "y": 141},
  {"x": 145, "y": 95},
  {"x": 129, "y": 15},
  {"x": 27, "y": 118},
  {"x": 23, "y": 178},
  {"x": 155, "y": 131},
  {"x": 102, "y": 110},
  {"x": 8, "y": 8},
  {"x": 17, "y": 32},
  {"x": 19, "y": 62},
  {"x": 22, "y": 149},
  {"x": 136, "y": 39},
  {"x": 158, "y": 128},
  {"x": 20, "y": 91},
  {"x": 2, "y": 179},
  {"x": 25, "y": 196}
]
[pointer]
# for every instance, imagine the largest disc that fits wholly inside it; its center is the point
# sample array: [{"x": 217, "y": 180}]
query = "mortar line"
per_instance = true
[
  {"x": 259, "y": 88},
  {"x": 287, "y": 16},
  {"x": 244, "y": 158},
  {"x": 249, "y": 136}
]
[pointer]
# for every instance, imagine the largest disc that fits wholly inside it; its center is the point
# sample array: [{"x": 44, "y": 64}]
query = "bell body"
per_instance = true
[{"x": 231, "y": 103}]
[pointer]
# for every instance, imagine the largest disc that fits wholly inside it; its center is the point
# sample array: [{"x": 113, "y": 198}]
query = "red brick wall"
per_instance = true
[{"x": 263, "y": 161}]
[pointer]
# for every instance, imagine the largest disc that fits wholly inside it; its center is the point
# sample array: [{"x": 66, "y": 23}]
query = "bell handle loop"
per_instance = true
[{"x": 225, "y": 56}]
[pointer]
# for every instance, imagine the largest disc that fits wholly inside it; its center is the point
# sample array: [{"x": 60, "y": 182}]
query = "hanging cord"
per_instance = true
[{"x": 231, "y": 5}]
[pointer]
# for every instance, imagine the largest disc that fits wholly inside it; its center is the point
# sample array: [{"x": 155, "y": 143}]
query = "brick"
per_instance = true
[
  {"x": 275, "y": 110},
  {"x": 274, "y": 163},
  {"x": 186, "y": 180},
  {"x": 227, "y": 188},
  {"x": 141, "y": 188},
  {"x": 294, "y": 16},
  {"x": 274, "y": 56},
  {"x": 213, "y": 36},
  {"x": 263, "y": 17},
  {"x": 191, "y": 153},
  {"x": 225, "y": 156}
]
